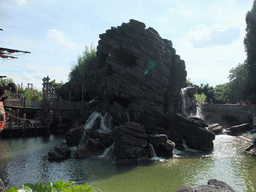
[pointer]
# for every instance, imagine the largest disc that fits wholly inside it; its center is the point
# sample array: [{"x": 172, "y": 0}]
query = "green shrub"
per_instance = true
[
  {"x": 61, "y": 186},
  {"x": 201, "y": 98}
]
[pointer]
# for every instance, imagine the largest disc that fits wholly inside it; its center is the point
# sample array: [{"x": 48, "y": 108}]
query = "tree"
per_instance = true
[
  {"x": 250, "y": 48},
  {"x": 201, "y": 98},
  {"x": 221, "y": 93},
  {"x": 207, "y": 90},
  {"x": 9, "y": 82},
  {"x": 84, "y": 73},
  {"x": 238, "y": 80}
]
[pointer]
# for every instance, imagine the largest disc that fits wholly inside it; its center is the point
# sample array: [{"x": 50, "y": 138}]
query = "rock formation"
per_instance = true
[
  {"x": 213, "y": 185},
  {"x": 141, "y": 77}
]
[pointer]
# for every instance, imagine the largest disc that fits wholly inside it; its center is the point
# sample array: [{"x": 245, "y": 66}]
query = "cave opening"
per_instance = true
[
  {"x": 126, "y": 58},
  {"x": 113, "y": 98},
  {"x": 102, "y": 59}
]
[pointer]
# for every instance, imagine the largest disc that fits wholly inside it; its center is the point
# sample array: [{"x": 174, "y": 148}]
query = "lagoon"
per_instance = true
[{"x": 24, "y": 160}]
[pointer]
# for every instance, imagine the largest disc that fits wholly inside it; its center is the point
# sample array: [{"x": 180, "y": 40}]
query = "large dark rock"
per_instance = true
[
  {"x": 59, "y": 152},
  {"x": 136, "y": 64},
  {"x": 74, "y": 136},
  {"x": 213, "y": 185},
  {"x": 131, "y": 145}
]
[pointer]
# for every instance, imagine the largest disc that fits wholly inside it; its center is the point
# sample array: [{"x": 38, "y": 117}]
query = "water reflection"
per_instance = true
[{"x": 24, "y": 160}]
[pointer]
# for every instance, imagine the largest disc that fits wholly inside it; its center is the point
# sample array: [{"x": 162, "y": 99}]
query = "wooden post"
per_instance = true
[{"x": 24, "y": 123}]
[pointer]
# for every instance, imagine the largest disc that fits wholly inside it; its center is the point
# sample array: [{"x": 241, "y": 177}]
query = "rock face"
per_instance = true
[
  {"x": 141, "y": 77},
  {"x": 131, "y": 145},
  {"x": 213, "y": 185},
  {"x": 141, "y": 68}
]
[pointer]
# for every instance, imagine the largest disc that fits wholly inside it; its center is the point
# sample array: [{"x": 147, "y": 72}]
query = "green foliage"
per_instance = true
[
  {"x": 9, "y": 82},
  {"x": 84, "y": 72},
  {"x": 201, "y": 98},
  {"x": 250, "y": 48},
  {"x": 82, "y": 63},
  {"x": 31, "y": 94},
  {"x": 238, "y": 79},
  {"x": 207, "y": 90},
  {"x": 222, "y": 93},
  {"x": 189, "y": 83},
  {"x": 61, "y": 186}
]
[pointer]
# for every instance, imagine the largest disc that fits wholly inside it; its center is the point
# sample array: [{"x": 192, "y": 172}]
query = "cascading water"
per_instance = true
[
  {"x": 188, "y": 101},
  {"x": 152, "y": 150},
  {"x": 184, "y": 105},
  {"x": 153, "y": 154},
  {"x": 105, "y": 125},
  {"x": 108, "y": 151},
  {"x": 186, "y": 147}
]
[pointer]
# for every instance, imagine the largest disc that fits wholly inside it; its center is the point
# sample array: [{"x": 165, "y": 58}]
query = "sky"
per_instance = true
[{"x": 208, "y": 35}]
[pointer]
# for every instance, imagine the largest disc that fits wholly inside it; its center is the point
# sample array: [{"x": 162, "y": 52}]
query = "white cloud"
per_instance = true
[
  {"x": 21, "y": 2},
  {"x": 203, "y": 36},
  {"x": 201, "y": 32},
  {"x": 59, "y": 36}
]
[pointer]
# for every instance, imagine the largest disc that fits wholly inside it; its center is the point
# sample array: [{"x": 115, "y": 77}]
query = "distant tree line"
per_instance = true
[{"x": 242, "y": 78}]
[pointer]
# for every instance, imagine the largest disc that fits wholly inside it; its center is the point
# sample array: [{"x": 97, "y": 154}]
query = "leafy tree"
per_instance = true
[
  {"x": 238, "y": 79},
  {"x": 250, "y": 48},
  {"x": 84, "y": 72},
  {"x": 221, "y": 93},
  {"x": 206, "y": 90},
  {"x": 9, "y": 82},
  {"x": 82, "y": 63},
  {"x": 201, "y": 98}
]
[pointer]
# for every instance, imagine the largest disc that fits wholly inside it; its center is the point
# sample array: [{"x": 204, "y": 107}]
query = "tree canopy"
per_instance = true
[{"x": 250, "y": 49}]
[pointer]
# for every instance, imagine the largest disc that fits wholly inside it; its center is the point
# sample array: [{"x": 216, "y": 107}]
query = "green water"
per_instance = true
[{"x": 24, "y": 160}]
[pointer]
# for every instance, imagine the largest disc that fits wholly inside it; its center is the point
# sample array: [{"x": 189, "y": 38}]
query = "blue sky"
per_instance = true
[{"x": 208, "y": 35}]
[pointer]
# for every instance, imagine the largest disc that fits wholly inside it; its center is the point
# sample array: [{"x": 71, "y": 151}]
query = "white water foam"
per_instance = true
[{"x": 108, "y": 151}]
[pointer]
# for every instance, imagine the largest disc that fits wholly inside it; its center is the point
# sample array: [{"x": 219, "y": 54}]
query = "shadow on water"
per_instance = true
[{"x": 25, "y": 161}]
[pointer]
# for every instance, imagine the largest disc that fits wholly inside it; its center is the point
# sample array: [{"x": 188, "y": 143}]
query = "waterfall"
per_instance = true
[
  {"x": 91, "y": 119},
  {"x": 105, "y": 125},
  {"x": 186, "y": 147},
  {"x": 184, "y": 105},
  {"x": 108, "y": 151},
  {"x": 153, "y": 154},
  {"x": 199, "y": 112},
  {"x": 152, "y": 150}
]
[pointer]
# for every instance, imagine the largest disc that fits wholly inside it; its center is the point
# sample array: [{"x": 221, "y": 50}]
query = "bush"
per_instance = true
[{"x": 61, "y": 186}]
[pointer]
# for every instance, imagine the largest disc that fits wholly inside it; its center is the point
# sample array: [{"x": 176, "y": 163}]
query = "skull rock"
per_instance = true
[{"x": 136, "y": 64}]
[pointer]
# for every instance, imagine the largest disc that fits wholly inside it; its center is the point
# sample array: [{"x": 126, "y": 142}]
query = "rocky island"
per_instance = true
[{"x": 137, "y": 103}]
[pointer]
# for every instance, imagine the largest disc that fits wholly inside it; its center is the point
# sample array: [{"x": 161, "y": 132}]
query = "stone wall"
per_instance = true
[{"x": 226, "y": 114}]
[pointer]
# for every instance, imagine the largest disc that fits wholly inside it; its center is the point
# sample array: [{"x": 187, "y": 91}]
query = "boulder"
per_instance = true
[
  {"x": 82, "y": 151},
  {"x": 165, "y": 149},
  {"x": 157, "y": 139},
  {"x": 238, "y": 129},
  {"x": 213, "y": 185},
  {"x": 59, "y": 152},
  {"x": 73, "y": 136},
  {"x": 95, "y": 146},
  {"x": 106, "y": 139},
  {"x": 131, "y": 145}
]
